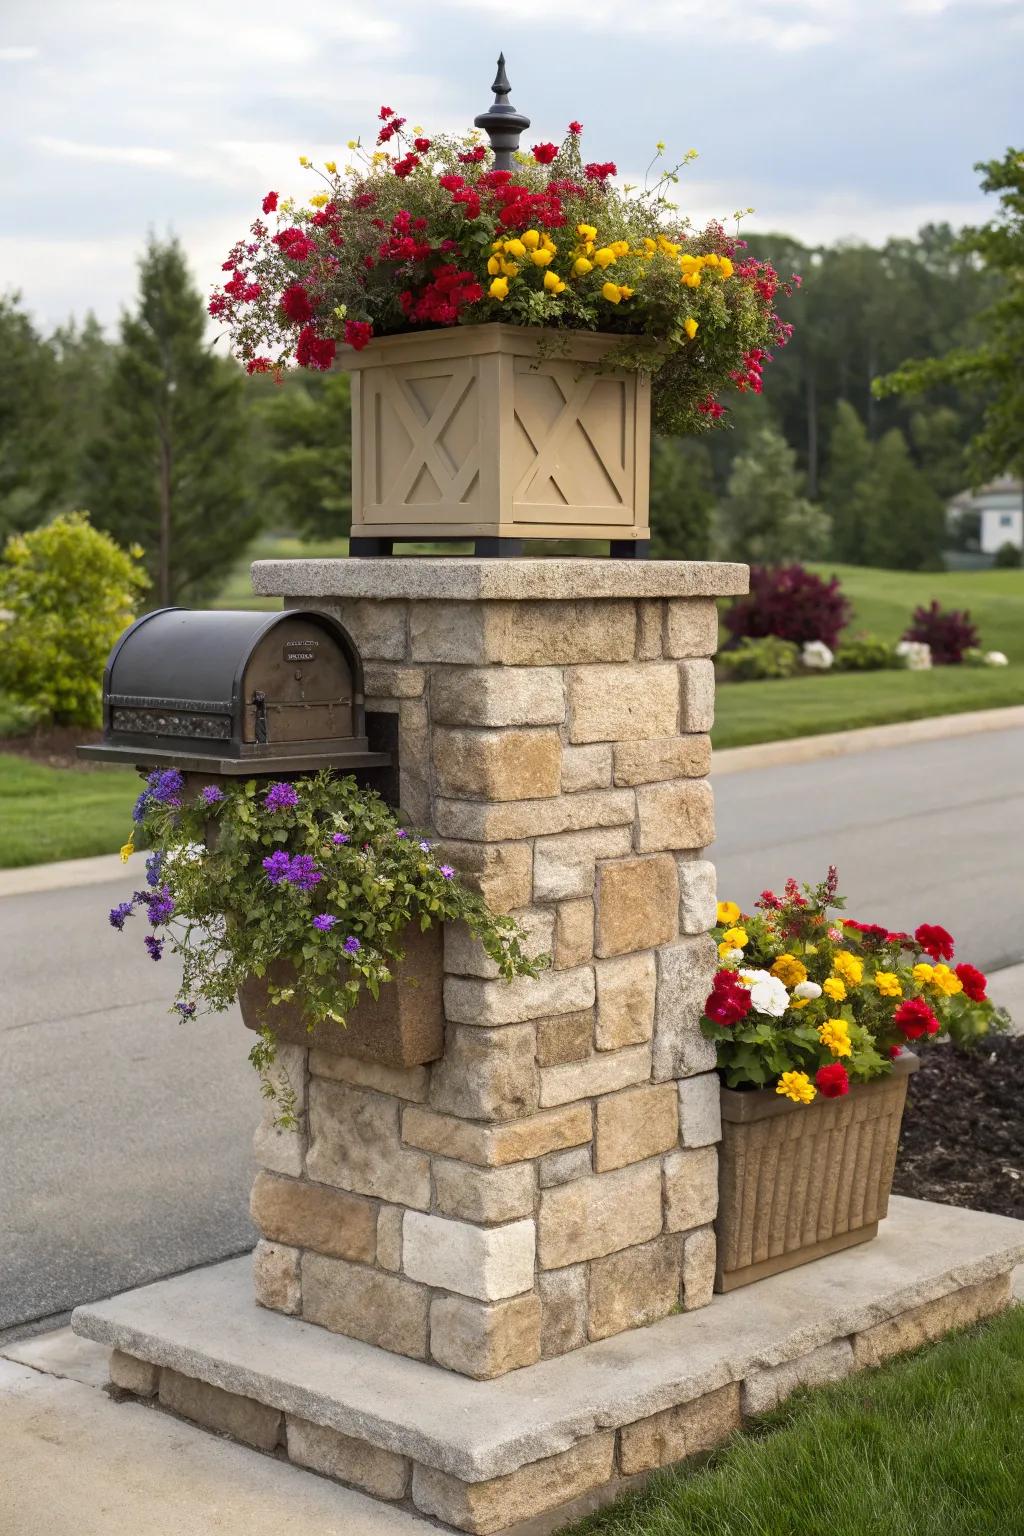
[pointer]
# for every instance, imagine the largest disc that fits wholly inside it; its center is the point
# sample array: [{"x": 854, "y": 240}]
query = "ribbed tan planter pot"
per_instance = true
[
  {"x": 404, "y": 1027},
  {"x": 500, "y": 431},
  {"x": 798, "y": 1181}
]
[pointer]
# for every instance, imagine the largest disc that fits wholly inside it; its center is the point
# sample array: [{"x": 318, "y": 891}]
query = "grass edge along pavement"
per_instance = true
[{"x": 927, "y": 1445}]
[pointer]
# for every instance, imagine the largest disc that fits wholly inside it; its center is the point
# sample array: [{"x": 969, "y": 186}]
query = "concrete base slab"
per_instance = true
[{"x": 62, "y": 1353}]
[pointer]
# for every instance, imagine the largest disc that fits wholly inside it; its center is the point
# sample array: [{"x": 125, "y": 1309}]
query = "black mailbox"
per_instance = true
[{"x": 235, "y": 693}]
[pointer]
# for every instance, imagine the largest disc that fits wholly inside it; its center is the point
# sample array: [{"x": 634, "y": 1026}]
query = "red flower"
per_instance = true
[
  {"x": 407, "y": 166},
  {"x": 974, "y": 982},
  {"x": 871, "y": 933},
  {"x": 474, "y": 156},
  {"x": 935, "y": 941},
  {"x": 893, "y": 1051},
  {"x": 729, "y": 1000},
  {"x": 293, "y": 243},
  {"x": 217, "y": 305},
  {"x": 600, "y": 170},
  {"x": 386, "y": 112},
  {"x": 915, "y": 1018},
  {"x": 296, "y": 305},
  {"x": 544, "y": 153},
  {"x": 576, "y": 128},
  {"x": 315, "y": 351},
  {"x": 769, "y": 902},
  {"x": 358, "y": 333},
  {"x": 710, "y": 407},
  {"x": 898, "y": 938},
  {"x": 421, "y": 144},
  {"x": 258, "y": 365},
  {"x": 270, "y": 202},
  {"x": 832, "y": 1081},
  {"x": 451, "y": 182}
]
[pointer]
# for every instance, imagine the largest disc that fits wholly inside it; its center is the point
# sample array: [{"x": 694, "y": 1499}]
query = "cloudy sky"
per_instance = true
[{"x": 834, "y": 118}]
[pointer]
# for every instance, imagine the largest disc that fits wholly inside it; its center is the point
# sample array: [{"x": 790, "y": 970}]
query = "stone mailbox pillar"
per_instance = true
[{"x": 552, "y": 1179}]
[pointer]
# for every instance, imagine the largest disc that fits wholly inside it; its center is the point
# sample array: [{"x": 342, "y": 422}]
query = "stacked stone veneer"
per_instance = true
[{"x": 552, "y": 1179}]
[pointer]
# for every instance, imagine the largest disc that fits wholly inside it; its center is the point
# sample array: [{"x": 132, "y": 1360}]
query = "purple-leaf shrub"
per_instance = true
[
  {"x": 949, "y": 633},
  {"x": 791, "y": 602}
]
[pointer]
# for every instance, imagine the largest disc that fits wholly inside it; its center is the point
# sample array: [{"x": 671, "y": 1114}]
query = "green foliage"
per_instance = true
[
  {"x": 229, "y": 917},
  {"x": 752, "y": 659},
  {"x": 58, "y": 813},
  {"x": 682, "y": 499},
  {"x": 71, "y": 591},
  {"x": 30, "y": 432},
  {"x": 1007, "y": 557},
  {"x": 867, "y": 653},
  {"x": 849, "y": 467},
  {"x": 303, "y": 441},
  {"x": 884, "y": 510},
  {"x": 170, "y": 467},
  {"x": 764, "y": 519}
]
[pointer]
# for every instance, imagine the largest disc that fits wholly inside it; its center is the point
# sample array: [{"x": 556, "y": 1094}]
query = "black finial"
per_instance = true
[{"x": 501, "y": 122}]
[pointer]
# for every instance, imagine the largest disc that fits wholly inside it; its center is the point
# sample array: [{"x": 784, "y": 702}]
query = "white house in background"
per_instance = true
[{"x": 999, "y": 507}]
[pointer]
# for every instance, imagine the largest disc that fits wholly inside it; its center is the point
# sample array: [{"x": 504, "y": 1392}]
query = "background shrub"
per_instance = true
[
  {"x": 867, "y": 653},
  {"x": 949, "y": 632},
  {"x": 767, "y": 657},
  {"x": 792, "y": 603},
  {"x": 1007, "y": 557},
  {"x": 69, "y": 591}
]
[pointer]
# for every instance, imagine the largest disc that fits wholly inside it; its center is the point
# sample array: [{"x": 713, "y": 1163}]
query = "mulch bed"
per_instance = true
[
  {"x": 53, "y": 745},
  {"x": 963, "y": 1131}
]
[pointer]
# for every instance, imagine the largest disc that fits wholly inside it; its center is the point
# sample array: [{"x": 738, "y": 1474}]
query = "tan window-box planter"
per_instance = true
[
  {"x": 404, "y": 1027},
  {"x": 798, "y": 1181},
  {"x": 499, "y": 431}
]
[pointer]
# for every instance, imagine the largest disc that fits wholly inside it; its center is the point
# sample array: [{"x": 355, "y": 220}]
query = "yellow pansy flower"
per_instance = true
[
  {"x": 834, "y": 988},
  {"x": 605, "y": 257},
  {"x": 515, "y": 248},
  {"x": 304, "y": 160},
  {"x": 499, "y": 288},
  {"x": 610, "y": 291},
  {"x": 946, "y": 981},
  {"x": 352, "y": 144},
  {"x": 127, "y": 849},
  {"x": 725, "y": 266},
  {"x": 888, "y": 984},
  {"x": 619, "y": 247},
  {"x": 626, "y": 292},
  {"x": 735, "y": 937},
  {"x": 691, "y": 279},
  {"x": 553, "y": 283},
  {"x": 331, "y": 165},
  {"x": 531, "y": 239},
  {"x": 712, "y": 259},
  {"x": 586, "y": 231},
  {"x": 835, "y": 1037},
  {"x": 923, "y": 973},
  {"x": 493, "y": 266},
  {"x": 510, "y": 268},
  {"x": 319, "y": 199},
  {"x": 728, "y": 912},
  {"x": 542, "y": 258},
  {"x": 789, "y": 970},
  {"x": 581, "y": 266},
  {"x": 849, "y": 967},
  {"x": 796, "y": 1086},
  {"x": 690, "y": 326}
]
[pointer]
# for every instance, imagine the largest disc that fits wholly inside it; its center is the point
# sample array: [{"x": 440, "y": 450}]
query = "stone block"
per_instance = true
[
  {"x": 599, "y": 1215},
  {"x": 564, "y": 1299},
  {"x": 539, "y": 634},
  {"x": 586, "y": 767},
  {"x": 489, "y": 1263},
  {"x": 603, "y": 1073},
  {"x": 450, "y": 632},
  {"x": 487, "y": 1074},
  {"x": 278, "y": 1150},
  {"x": 670, "y": 757},
  {"x": 698, "y": 906},
  {"x": 378, "y": 628},
  {"x": 691, "y": 627},
  {"x": 481, "y": 1508},
  {"x": 468, "y": 1000},
  {"x": 567, "y": 1037},
  {"x": 495, "y": 1146},
  {"x": 637, "y": 904},
  {"x": 502, "y": 821},
  {"x": 497, "y": 696},
  {"x": 466, "y": 956},
  {"x": 635, "y": 1124},
  {"x": 484, "y": 1195},
  {"x": 699, "y": 1253},
  {"x": 700, "y": 1110},
  {"x": 387, "y": 1310},
  {"x": 502, "y": 873},
  {"x": 765, "y": 1388},
  {"x": 408, "y": 1083},
  {"x": 634, "y": 1287},
  {"x": 624, "y": 703},
  {"x": 686, "y": 970},
  {"x": 366, "y": 1466},
  {"x": 573, "y": 933},
  {"x": 923, "y": 1324},
  {"x": 625, "y": 1001},
  {"x": 563, "y": 1167},
  {"x": 276, "y": 1277},
  {"x": 414, "y": 788},
  {"x": 224, "y": 1412},
  {"x": 697, "y": 695},
  {"x": 676, "y": 1433},
  {"x": 304, "y": 1215},
  {"x": 485, "y": 1339},
  {"x": 650, "y": 621},
  {"x": 564, "y": 867},
  {"x": 389, "y": 1236},
  {"x": 677, "y": 814},
  {"x": 691, "y": 1188},
  {"x": 381, "y": 681},
  {"x": 130, "y": 1374},
  {"x": 510, "y": 764},
  {"x": 355, "y": 1145}
]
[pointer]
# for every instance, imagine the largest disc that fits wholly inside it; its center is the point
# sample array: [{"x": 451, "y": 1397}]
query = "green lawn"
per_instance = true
[
  {"x": 927, "y": 1446},
  {"x": 61, "y": 813}
]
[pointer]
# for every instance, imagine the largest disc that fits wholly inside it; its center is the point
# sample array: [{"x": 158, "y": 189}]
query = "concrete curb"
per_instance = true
[
  {"x": 808, "y": 749},
  {"x": 64, "y": 874}
]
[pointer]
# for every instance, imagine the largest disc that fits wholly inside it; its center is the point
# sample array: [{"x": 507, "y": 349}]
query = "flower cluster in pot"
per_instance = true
[
  {"x": 315, "y": 875},
  {"x": 421, "y": 231},
  {"x": 811, "y": 1002}
]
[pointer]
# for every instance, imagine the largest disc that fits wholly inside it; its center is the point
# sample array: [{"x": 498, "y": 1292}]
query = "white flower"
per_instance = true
[
  {"x": 732, "y": 956},
  {"x": 809, "y": 989},
  {"x": 996, "y": 659},
  {"x": 816, "y": 655},
  {"x": 767, "y": 993},
  {"x": 917, "y": 654}
]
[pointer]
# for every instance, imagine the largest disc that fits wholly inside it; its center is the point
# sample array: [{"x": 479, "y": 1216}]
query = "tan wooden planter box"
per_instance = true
[
  {"x": 798, "y": 1181},
  {"x": 497, "y": 431},
  {"x": 403, "y": 1028}
]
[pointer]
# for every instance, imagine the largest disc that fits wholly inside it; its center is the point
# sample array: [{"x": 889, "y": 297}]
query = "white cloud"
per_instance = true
[
  {"x": 111, "y": 154},
  {"x": 18, "y": 55}
]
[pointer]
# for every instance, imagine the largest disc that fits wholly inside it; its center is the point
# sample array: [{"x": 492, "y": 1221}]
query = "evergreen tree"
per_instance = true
[
  {"x": 170, "y": 469},
  {"x": 905, "y": 522},
  {"x": 84, "y": 358},
  {"x": 850, "y": 463},
  {"x": 31, "y": 466},
  {"x": 305, "y": 456},
  {"x": 765, "y": 520},
  {"x": 682, "y": 499}
]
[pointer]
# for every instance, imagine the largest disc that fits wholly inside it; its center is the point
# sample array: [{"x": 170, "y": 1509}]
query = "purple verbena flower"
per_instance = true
[
  {"x": 154, "y": 945},
  {"x": 119, "y": 913},
  {"x": 212, "y": 794},
  {"x": 352, "y": 945},
  {"x": 447, "y": 871},
  {"x": 161, "y": 906},
  {"x": 340, "y": 837},
  {"x": 426, "y": 847},
  {"x": 277, "y": 866},
  {"x": 324, "y": 922},
  {"x": 141, "y": 806},
  {"x": 401, "y": 832},
  {"x": 166, "y": 785},
  {"x": 153, "y": 866},
  {"x": 303, "y": 873},
  {"x": 280, "y": 796},
  {"x": 187, "y": 1010}
]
